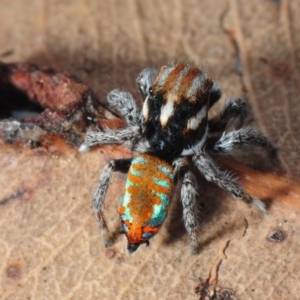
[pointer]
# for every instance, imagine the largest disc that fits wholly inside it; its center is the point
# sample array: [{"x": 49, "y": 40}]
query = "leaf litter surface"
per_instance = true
[{"x": 50, "y": 242}]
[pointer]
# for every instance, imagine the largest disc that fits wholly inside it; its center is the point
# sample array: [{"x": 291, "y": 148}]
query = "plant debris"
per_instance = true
[{"x": 36, "y": 102}]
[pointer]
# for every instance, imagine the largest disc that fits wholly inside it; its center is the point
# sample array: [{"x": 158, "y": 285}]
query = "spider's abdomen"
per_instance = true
[{"x": 144, "y": 207}]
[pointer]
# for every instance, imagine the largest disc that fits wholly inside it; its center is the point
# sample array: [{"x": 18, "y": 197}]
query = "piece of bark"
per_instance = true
[{"x": 46, "y": 101}]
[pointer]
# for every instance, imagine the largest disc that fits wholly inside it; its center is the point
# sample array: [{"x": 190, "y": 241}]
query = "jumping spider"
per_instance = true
[{"x": 170, "y": 134}]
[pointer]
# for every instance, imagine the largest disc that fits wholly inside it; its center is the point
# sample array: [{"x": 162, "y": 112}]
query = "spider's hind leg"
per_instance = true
[
  {"x": 121, "y": 165},
  {"x": 213, "y": 174},
  {"x": 188, "y": 197},
  {"x": 190, "y": 218}
]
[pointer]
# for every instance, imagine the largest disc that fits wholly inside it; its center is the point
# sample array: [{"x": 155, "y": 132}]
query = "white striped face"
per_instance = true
[
  {"x": 167, "y": 111},
  {"x": 182, "y": 89},
  {"x": 145, "y": 111},
  {"x": 175, "y": 112},
  {"x": 194, "y": 122}
]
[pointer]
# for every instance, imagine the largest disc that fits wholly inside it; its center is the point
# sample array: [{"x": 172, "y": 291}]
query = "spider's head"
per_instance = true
[{"x": 175, "y": 112}]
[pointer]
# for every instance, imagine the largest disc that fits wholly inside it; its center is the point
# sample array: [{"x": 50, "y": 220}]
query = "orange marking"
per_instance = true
[
  {"x": 162, "y": 68},
  {"x": 121, "y": 210},
  {"x": 151, "y": 229},
  {"x": 170, "y": 81},
  {"x": 156, "y": 200},
  {"x": 158, "y": 174},
  {"x": 142, "y": 197},
  {"x": 134, "y": 234},
  {"x": 187, "y": 82}
]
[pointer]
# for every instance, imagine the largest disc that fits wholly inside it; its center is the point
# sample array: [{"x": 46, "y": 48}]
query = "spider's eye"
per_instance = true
[{"x": 151, "y": 92}]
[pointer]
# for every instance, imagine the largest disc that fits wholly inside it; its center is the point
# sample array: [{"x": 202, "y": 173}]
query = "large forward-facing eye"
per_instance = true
[{"x": 151, "y": 92}]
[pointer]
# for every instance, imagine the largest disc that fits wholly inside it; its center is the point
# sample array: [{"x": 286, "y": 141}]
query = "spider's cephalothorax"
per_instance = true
[
  {"x": 170, "y": 134},
  {"x": 175, "y": 111}
]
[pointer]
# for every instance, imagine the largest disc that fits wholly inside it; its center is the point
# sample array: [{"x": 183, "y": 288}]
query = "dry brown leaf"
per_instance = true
[{"x": 50, "y": 243}]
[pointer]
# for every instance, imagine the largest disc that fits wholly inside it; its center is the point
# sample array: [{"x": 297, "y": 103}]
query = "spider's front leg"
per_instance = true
[
  {"x": 213, "y": 174},
  {"x": 145, "y": 80},
  {"x": 121, "y": 165},
  {"x": 123, "y": 103},
  {"x": 109, "y": 136}
]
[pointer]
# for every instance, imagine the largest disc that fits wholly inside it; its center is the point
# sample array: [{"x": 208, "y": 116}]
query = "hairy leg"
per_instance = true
[
  {"x": 121, "y": 165},
  {"x": 188, "y": 199},
  {"x": 213, "y": 174},
  {"x": 109, "y": 136},
  {"x": 215, "y": 94},
  {"x": 145, "y": 80},
  {"x": 234, "y": 109},
  {"x": 244, "y": 136},
  {"x": 123, "y": 103}
]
